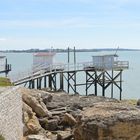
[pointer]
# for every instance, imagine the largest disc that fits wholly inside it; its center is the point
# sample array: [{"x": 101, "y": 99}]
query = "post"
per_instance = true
[
  {"x": 68, "y": 81},
  {"x": 95, "y": 84},
  {"x": 103, "y": 83},
  {"x": 112, "y": 84},
  {"x": 50, "y": 81},
  {"x": 61, "y": 81},
  {"x": 86, "y": 84},
  {"x": 6, "y": 68},
  {"x": 37, "y": 83},
  {"x": 121, "y": 85},
  {"x": 33, "y": 84},
  {"x": 45, "y": 82},
  {"x": 75, "y": 82},
  {"x": 74, "y": 59},
  {"x": 68, "y": 57}
]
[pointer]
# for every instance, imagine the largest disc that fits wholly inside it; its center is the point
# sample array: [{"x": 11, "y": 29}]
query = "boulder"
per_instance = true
[
  {"x": 31, "y": 101},
  {"x": 31, "y": 123},
  {"x": 43, "y": 122},
  {"x": 36, "y": 137},
  {"x": 109, "y": 121},
  {"x": 64, "y": 135},
  {"x": 47, "y": 97},
  {"x": 68, "y": 119},
  {"x": 51, "y": 125}
]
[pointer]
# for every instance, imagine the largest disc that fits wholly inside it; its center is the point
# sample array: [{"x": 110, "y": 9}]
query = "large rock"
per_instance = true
[
  {"x": 68, "y": 119},
  {"x": 73, "y": 102},
  {"x": 31, "y": 123},
  {"x": 34, "y": 99},
  {"x": 37, "y": 107},
  {"x": 109, "y": 121},
  {"x": 51, "y": 125},
  {"x": 36, "y": 137},
  {"x": 64, "y": 135}
]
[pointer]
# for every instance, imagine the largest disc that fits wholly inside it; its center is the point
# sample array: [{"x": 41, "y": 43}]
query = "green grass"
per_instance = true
[
  {"x": 5, "y": 82},
  {"x": 2, "y": 138}
]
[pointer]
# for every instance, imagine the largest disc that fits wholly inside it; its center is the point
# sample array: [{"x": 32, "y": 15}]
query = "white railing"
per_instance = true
[
  {"x": 121, "y": 64},
  {"x": 42, "y": 69}
]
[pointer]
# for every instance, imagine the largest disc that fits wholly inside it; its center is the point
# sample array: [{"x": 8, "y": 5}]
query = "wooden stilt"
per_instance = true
[
  {"x": 103, "y": 84},
  {"x": 45, "y": 81},
  {"x": 112, "y": 84},
  {"x": 50, "y": 81},
  {"x": 121, "y": 85},
  {"x": 61, "y": 81},
  {"x": 95, "y": 85}
]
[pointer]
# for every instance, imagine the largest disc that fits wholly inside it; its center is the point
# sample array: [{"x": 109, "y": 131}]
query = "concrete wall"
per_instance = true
[{"x": 11, "y": 126}]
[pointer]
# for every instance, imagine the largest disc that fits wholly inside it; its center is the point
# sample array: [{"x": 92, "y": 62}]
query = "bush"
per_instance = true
[{"x": 2, "y": 138}]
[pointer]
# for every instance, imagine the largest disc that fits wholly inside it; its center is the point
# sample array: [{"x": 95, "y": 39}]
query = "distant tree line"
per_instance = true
[{"x": 66, "y": 50}]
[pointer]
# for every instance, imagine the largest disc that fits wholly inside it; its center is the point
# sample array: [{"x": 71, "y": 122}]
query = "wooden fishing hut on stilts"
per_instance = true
[{"x": 102, "y": 72}]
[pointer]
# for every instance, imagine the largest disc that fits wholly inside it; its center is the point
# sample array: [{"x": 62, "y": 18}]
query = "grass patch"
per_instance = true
[
  {"x": 2, "y": 138},
  {"x": 5, "y": 82},
  {"x": 130, "y": 101}
]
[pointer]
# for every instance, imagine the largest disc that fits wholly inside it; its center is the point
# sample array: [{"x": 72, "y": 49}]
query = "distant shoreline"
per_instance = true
[{"x": 65, "y": 50}]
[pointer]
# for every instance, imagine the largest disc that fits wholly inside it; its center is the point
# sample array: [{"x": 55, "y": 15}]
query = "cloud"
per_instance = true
[
  {"x": 77, "y": 22},
  {"x": 56, "y": 23},
  {"x": 3, "y": 39}
]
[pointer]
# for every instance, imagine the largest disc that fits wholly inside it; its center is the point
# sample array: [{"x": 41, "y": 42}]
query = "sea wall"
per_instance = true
[{"x": 11, "y": 127}]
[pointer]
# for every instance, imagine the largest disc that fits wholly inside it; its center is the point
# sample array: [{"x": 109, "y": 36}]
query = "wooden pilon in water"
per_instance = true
[{"x": 4, "y": 66}]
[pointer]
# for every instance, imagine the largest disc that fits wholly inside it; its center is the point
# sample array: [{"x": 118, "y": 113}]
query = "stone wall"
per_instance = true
[{"x": 11, "y": 127}]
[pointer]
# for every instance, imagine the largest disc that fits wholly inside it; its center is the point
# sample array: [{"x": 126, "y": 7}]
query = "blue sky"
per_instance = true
[{"x": 26, "y": 24}]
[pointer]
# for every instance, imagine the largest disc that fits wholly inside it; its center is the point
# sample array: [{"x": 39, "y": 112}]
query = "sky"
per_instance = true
[{"x": 26, "y": 24}]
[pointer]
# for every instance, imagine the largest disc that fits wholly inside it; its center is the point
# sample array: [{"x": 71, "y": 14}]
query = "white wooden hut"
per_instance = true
[
  {"x": 104, "y": 61},
  {"x": 42, "y": 60}
]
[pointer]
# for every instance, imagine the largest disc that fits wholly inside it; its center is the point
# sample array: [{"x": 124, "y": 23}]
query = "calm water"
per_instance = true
[{"x": 131, "y": 77}]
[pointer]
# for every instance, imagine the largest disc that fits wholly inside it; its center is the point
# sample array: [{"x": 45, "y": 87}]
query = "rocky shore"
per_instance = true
[{"x": 59, "y": 116}]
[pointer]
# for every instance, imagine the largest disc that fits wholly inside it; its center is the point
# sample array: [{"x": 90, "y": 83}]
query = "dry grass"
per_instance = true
[
  {"x": 5, "y": 82},
  {"x": 130, "y": 101}
]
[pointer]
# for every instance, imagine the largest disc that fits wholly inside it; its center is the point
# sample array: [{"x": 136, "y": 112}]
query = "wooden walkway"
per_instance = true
[{"x": 48, "y": 77}]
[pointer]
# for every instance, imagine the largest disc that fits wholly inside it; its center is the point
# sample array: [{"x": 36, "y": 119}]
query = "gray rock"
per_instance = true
[
  {"x": 36, "y": 137},
  {"x": 40, "y": 110},
  {"x": 64, "y": 135},
  {"x": 69, "y": 120},
  {"x": 109, "y": 121},
  {"x": 51, "y": 125},
  {"x": 46, "y": 98}
]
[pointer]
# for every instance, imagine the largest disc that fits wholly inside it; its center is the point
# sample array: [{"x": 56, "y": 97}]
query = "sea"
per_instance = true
[{"x": 131, "y": 77}]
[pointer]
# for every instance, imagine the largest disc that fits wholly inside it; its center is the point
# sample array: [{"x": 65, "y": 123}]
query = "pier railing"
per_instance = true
[{"x": 42, "y": 69}]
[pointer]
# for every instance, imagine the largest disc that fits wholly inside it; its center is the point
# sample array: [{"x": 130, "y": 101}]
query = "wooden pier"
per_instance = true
[{"x": 67, "y": 74}]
